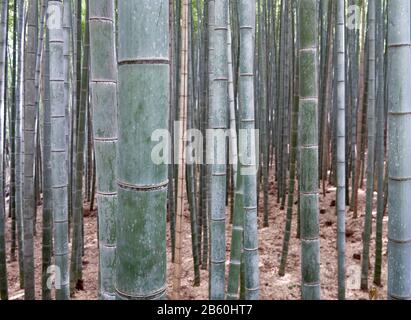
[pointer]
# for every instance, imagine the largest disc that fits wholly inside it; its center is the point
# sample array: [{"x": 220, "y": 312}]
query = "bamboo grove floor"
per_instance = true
[{"x": 272, "y": 286}]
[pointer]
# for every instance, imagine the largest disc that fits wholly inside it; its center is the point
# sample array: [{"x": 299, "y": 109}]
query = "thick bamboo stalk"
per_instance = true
[
  {"x": 47, "y": 192},
  {"x": 341, "y": 150},
  {"x": 308, "y": 119},
  {"x": 103, "y": 74},
  {"x": 399, "y": 142},
  {"x": 59, "y": 174},
  {"x": 142, "y": 184},
  {"x": 247, "y": 145},
  {"x": 218, "y": 119}
]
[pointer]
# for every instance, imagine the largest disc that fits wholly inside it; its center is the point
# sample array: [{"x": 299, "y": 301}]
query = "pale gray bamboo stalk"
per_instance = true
[
  {"x": 59, "y": 168},
  {"x": 399, "y": 154},
  {"x": 30, "y": 114},
  {"x": 341, "y": 165},
  {"x": 248, "y": 141}
]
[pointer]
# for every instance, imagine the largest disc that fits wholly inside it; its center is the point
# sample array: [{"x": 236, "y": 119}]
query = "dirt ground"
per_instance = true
[{"x": 273, "y": 287}]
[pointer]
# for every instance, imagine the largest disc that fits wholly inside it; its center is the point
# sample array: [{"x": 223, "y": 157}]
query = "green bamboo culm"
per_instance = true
[
  {"x": 292, "y": 170},
  {"x": 399, "y": 142},
  {"x": 104, "y": 96},
  {"x": 29, "y": 129},
  {"x": 248, "y": 149},
  {"x": 76, "y": 249},
  {"x": 341, "y": 165},
  {"x": 59, "y": 175},
  {"x": 47, "y": 191},
  {"x": 191, "y": 181},
  {"x": 143, "y": 66},
  {"x": 236, "y": 241},
  {"x": 19, "y": 147},
  {"x": 13, "y": 114},
  {"x": 308, "y": 120},
  {"x": 371, "y": 145},
  {"x": 380, "y": 138},
  {"x": 3, "y": 36},
  {"x": 218, "y": 119}
]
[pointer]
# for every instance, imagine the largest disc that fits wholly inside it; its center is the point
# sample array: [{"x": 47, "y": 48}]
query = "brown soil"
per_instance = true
[{"x": 273, "y": 287}]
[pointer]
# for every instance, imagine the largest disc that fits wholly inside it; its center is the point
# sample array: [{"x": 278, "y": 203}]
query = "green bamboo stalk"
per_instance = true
[
  {"x": 77, "y": 243},
  {"x": 171, "y": 203},
  {"x": 353, "y": 82},
  {"x": 233, "y": 154},
  {"x": 325, "y": 83},
  {"x": 78, "y": 32},
  {"x": 341, "y": 140},
  {"x": 399, "y": 141},
  {"x": 360, "y": 113},
  {"x": 248, "y": 147},
  {"x": 191, "y": 181},
  {"x": 218, "y": 119},
  {"x": 39, "y": 51},
  {"x": 3, "y": 65},
  {"x": 280, "y": 103},
  {"x": 67, "y": 16},
  {"x": 89, "y": 159},
  {"x": 263, "y": 106},
  {"x": 380, "y": 143},
  {"x": 93, "y": 182},
  {"x": 231, "y": 102},
  {"x": 104, "y": 98},
  {"x": 236, "y": 241},
  {"x": 292, "y": 171},
  {"x": 142, "y": 185},
  {"x": 19, "y": 142},
  {"x": 181, "y": 146},
  {"x": 371, "y": 145},
  {"x": 29, "y": 149},
  {"x": 13, "y": 138},
  {"x": 327, "y": 96},
  {"x": 308, "y": 119},
  {"x": 59, "y": 176},
  {"x": 70, "y": 71},
  {"x": 204, "y": 183},
  {"x": 286, "y": 105},
  {"x": 47, "y": 191},
  {"x": 37, "y": 78}
]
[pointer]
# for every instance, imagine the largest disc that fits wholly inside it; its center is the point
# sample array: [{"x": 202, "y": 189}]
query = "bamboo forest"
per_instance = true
[{"x": 205, "y": 150}]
